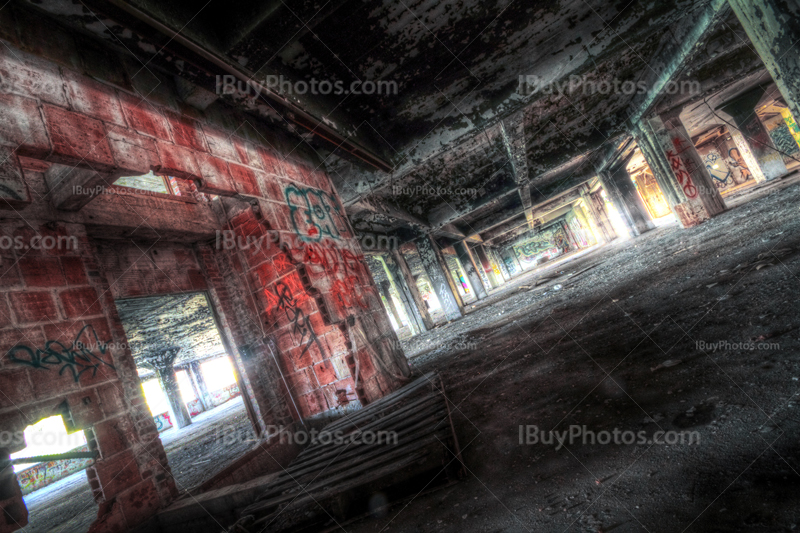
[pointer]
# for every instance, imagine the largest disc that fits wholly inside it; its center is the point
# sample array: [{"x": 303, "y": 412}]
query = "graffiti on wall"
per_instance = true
[
  {"x": 84, "y": 355},
  {"x": 286, "y": 296},
  {"x": 314, "y": 213},
  {"x": 718, "y": 169},
  {"x": 43, "y": 474},
  {"x": 548, "y": 243},
  {"x": 163, "y": 422}
]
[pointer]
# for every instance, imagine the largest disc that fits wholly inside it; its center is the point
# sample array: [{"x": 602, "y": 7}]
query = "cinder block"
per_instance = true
[
  {"x": 28, "y": 75},
  {"x": 13, "y": 189},
  {"x": 244, "y": 179},
  {"x": 29, "y": 307},
  {"x": 326, "y": 374},
  {"x": 117, "y": 473},
  {"x": 177, "y": 161},
  {"x": 144, "y": 117},
  {"x": 140, "y": 503},
  {"x": 220, "y": 144},
  {"x": 215, "y": 176},
  {"x": 92, "y": 98},
  {"x": 84, "y": 407},
  {"x": 133, "y": 154},
  {"x": 78, "y": 140},
  {"x": 186, "y": 132},
  {"x": 21, "y": 126},
  {"x": 38, "y": 271},
  {"x": 78, "y": 303}
]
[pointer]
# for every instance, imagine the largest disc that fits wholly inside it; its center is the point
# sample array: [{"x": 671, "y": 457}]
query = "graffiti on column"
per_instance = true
[
  {"x": 76, "y": 359},
  {"x": 682, "y": 167},
  {"x": 442, "y": 289}
]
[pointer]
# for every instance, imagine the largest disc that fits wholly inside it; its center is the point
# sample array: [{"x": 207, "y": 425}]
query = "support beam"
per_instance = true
[
  {"x": 512, "y": 263},
  {"x": 397, "y": 279},
  {"x": 404, "y": 274},
  {"x": 487, "y": 266},
  {"x": 199, "y": 382},
  {"x": 599, "y": 221},
  {"x": 384, "y": 288},
  {"x": 774, "y": 28},
  {"x": 169, "y": 382},
  {"x": 470, "y": 268},
  {"x": 71, "y": 188},
  {"x": 495, "y": 258},
  {"x": 743, "y": 112},
  {"x": 626, "y": 200},
  {"x": 513, "y": 132},
  {"x": 695, "y": 198},
  {"x": 437, "y": 272}
]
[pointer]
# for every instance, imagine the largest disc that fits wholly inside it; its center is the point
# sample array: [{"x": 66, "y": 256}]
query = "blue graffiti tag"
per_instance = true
[{"x": 77, "y": 358}]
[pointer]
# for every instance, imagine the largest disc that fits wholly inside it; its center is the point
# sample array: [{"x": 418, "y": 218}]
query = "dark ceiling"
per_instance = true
[{"x": 459, "y": 124}]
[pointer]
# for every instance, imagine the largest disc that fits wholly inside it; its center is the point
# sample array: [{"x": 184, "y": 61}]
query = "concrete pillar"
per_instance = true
[
  {"x": 199, "y": 383},
  {"x": 487, "y": 266},
  {"x": 470, "y": 268},
  {"x": 690, "y": 190},
  {"x": 512, "y": 263},
  {"x": 399, "y": 267},
  {"x": 500, "y": 265},
  {"x": 385, "y": 287},
  {"x": 774, "y": 28},
  {"x": 743, "y": 112},
  {"x": 626, "y": 200},
  {"x": 436, "y": 269},
  {"x": 598, "y": 216},
  {"x": 197, "y": 394},
  {"x": 169, "y": 383}
]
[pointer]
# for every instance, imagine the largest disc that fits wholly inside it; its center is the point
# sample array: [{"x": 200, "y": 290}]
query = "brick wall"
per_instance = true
[
  {"x": 65, "y": 353},
  {"x": 294, "y": 307}
]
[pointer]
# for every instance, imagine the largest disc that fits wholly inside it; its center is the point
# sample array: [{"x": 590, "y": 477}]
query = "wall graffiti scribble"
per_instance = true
[
  {"x": 314, "y": 214},
  {"x": 78, "y": 358}
]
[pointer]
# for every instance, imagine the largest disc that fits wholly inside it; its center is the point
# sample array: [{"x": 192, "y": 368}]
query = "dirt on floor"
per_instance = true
[
  {"x": 195, "y": 453},
  {"x": 693, "y": 333}
]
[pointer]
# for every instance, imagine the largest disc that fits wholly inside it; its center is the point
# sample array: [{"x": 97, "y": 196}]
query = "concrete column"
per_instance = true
[
  {"x": 774, "y": 28},
  {"x": 626, "y": 200},
  {"x": 743, "y": 112},
  {"x": 169, "y": 382},
  {"x": 487, "y": 266},
  {"x": 400, "y": 267},
  {"x": 508, "y": 253},
  {"x": 595, "y": 222},
  {"x": 497, "y": 261},
  {"x": 470, "y": 268},
  {"x": 436, "y": 269},
  {"x": 692, "y": 195},
  {"x": 598, "y": 220},
  {"x": 385, "y": 287},
  {"x": 599, "y": 206},
  {"x": 197, "y": 394},
  {"x": 199, "y": 383}
]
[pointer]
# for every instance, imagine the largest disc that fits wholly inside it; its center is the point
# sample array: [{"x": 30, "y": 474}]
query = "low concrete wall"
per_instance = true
[{"x": 44, "y": 474}]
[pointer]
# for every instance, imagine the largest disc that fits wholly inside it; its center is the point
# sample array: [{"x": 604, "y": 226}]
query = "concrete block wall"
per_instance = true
[
  {"x": 64, "y": 353},
  {"x": 306, "y": 297}
]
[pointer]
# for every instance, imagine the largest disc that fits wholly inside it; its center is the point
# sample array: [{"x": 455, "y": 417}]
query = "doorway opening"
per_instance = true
[{"x": 190, "y": 383}]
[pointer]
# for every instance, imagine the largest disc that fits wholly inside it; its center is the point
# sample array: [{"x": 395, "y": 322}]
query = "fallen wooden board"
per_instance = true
[{"x": 336, "y": 479}]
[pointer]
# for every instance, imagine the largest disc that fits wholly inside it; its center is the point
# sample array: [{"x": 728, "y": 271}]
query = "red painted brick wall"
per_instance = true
[
  {"x": 63, "y": 352},
  {"x": 294, "y": 307}
]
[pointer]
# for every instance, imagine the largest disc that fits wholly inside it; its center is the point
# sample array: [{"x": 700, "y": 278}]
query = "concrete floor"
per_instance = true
[
  {"x": 195, "y": 453},
  {"x": 620, "y": 346}
]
